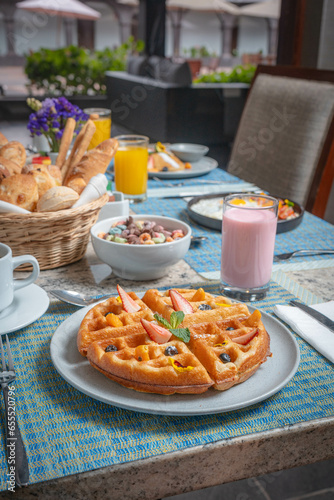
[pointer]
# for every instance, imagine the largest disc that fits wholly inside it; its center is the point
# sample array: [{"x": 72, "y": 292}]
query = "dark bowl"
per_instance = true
[{"x": 282, "y": 225}]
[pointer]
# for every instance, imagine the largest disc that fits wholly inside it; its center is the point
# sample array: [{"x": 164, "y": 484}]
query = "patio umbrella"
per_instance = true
[
  {"x": 61, "y": 8},
  {"x": 224, "y": 10},
  {"x": 270, "y": 9},
  {"x": 271, "y": 12},
  {"x": 205, "y": 5}
]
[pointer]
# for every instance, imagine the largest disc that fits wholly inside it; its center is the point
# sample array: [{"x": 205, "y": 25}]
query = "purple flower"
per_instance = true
[{"x": 50, "y": 119}]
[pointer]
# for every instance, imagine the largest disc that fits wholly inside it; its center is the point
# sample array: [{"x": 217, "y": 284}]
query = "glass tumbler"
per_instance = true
[
  {"x": 248, "y": 240},
  {"x": 102, "y": 120},
  {"x": 130, "y": 167}
]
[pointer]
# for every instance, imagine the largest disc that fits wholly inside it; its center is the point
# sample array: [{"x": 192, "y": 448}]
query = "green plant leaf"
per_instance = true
[
  {"x": 176, "y": 318},
  {"x": 181, "y": 333},
  {"x": 162, "y": 320}
]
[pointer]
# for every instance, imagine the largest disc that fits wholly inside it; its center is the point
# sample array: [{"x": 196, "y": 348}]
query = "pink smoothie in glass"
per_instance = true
[{"x": 248, "y": 240}]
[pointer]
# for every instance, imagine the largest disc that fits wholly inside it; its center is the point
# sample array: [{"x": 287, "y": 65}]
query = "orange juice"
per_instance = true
[
  {"x": 102, "y": 132},
  {"x": 130, "y": 166},
  {"x": 131, "y": 170},
  {"x": 102, "y": 121}
]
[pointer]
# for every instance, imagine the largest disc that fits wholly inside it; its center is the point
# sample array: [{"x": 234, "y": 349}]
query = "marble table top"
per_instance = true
[{"x": 193, "y": 468}]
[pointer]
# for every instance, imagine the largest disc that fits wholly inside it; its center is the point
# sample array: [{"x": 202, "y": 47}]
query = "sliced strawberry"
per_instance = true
[
  {"x": 156, "y": 333},
  {"x": 129, "y": 305},
  {"x": 180, "y": 303},
  {"x": 247, "y": 337}
]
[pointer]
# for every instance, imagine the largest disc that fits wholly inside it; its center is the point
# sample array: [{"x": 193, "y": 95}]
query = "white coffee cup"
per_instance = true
[{"x": 9, "y": 285}]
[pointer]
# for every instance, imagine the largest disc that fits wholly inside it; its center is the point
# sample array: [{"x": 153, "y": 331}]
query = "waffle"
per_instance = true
[
  {"x": 142, "y": 365},
  {"x": 219, "y": 307},
  {"x": 227, "y": 344},
  {"x": 98, "y": 325}
]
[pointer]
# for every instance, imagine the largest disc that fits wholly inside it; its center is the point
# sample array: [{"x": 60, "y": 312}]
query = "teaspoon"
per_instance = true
[{"x": 78, "y": 299}]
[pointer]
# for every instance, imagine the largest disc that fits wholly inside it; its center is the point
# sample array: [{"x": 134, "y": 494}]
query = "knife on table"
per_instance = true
[{"x": 315, "y": 314}]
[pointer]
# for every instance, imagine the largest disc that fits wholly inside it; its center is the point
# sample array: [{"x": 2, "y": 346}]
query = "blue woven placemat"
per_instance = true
[
  {"x": 311, "y": 233},
  {"x": 66, "y": 432},
  {"x": 217, "y": 174}
]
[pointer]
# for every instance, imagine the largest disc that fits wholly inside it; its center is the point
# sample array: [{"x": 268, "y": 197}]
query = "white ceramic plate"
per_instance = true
[
  {"x": 200, "y": 167},
  {"x": 269, "y": 378},
  {"x": 29, "y": 304}
]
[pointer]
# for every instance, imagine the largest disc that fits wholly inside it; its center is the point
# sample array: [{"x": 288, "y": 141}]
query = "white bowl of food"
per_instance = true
[
  {"x": 188, "y": 152},
  {"x": 146, "y": 252}
]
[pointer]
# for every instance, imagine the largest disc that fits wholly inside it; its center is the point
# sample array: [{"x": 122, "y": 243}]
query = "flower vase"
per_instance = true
[
  {"x": 41, "y": 143},
  {"x": 53, "y": 157}
]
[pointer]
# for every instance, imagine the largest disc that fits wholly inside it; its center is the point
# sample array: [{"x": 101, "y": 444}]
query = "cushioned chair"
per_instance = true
[{"x": 285, "y": 139}]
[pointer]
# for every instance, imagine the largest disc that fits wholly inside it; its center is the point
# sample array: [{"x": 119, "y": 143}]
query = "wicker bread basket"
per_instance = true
[{"x": 54, "y": 238}]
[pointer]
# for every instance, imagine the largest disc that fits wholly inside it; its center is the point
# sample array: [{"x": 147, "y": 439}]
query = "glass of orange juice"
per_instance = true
[
  {"x": 102, "y": 121},
  {"x": 130, "y": 166}
]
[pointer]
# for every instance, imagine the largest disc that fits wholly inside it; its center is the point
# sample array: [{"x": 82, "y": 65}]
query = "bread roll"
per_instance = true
[
  {"x": 10, "y": 165},
  {"x": 3, "y": 140},
  {"x": 20, "y": 190},
  {"x": 15, "y": 152},
  {"x": 4, "y": 172},
  {"x": 43, "y": 177},
  {"x": 57, "y": 198},
  {"x": 94, "y": 162}
]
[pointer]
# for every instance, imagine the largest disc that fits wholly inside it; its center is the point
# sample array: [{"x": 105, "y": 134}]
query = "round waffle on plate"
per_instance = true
[{"x": 180, "y": 341}]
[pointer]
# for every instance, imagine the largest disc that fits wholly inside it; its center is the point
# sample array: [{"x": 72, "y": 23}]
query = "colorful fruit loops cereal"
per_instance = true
[{"x": 140, "y": 233}]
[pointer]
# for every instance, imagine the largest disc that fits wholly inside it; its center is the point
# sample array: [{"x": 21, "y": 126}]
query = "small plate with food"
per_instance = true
[
  {"x": 177, "y": 352},
  {"x": 164, "y": 164},
  {"x": 207, "y": 210}
]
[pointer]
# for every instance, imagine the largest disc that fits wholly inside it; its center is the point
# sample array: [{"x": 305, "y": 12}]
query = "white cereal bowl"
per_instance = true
[
  {"x": 188, "y": 152},
  {"x": 141, "y": 262}
]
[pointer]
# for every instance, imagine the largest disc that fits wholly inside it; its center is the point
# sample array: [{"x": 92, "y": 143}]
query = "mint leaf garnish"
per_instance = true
[
  {"x": 181, "y": 333},
  {"x": 162, "y": 320},
  {"x": 176, "y": 318}
]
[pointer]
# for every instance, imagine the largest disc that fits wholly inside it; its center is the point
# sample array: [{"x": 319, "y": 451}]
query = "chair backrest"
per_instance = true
[{"x": 285, "y": 139}]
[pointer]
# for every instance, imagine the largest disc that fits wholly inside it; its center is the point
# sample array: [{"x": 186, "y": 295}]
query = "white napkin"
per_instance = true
[{"x": 316, "y": 334}]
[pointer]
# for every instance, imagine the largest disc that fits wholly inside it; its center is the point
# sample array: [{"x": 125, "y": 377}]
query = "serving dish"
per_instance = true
[
  {"x": 215, "y": 223},
  {"x": 270, "y": 378},
  {"x": 201, "y": 167},
  {"x": 188, "y": 152}
]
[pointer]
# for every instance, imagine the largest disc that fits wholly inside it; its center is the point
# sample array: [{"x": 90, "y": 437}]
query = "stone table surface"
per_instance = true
[{"x": 197, "y": 467}]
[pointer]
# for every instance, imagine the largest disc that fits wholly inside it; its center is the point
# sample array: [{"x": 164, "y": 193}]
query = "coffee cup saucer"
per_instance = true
[{"x": 29, "y": 304}]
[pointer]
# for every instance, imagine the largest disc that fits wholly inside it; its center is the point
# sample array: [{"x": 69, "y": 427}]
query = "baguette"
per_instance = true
[
  {"x": 66, "y": 141},
  {"x": 94, "y": 162},
  {"x": 80, "y": 146}
]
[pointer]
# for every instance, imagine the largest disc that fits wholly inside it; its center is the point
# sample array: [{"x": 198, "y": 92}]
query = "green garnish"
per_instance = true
[
  {"x": 181, "y": 333},
  {"x": 176, "y": 319},
  {"x": 162, "y": 320}
]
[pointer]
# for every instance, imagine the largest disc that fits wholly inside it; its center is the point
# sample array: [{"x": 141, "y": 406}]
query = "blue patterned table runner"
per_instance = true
[{"x": 66, "y": 432}]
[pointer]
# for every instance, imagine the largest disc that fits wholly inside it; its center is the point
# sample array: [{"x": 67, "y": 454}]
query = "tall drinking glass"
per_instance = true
[
  {"x": 248, "y": 240},
  {"x": 130, "y": 167},
  {"x": 102, "y": 120}
]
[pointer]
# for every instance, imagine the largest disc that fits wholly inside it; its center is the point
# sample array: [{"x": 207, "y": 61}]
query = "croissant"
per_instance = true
[{"x": 94, "y": 162}]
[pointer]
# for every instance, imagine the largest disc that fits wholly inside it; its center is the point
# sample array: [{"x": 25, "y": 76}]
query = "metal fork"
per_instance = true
[
  {"x": 16, "y": 453},
  {"x": 286, "y": 256}
]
